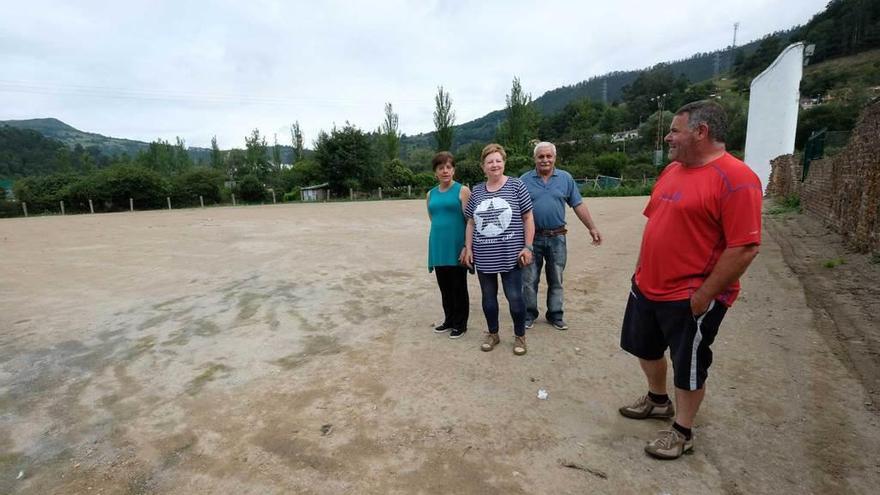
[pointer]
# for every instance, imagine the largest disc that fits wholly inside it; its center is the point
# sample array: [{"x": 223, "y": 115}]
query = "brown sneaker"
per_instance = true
[
  {"x": 490, "y": 340},
  {"x": 670, "y": 445},
  {"x": 519, "y": 345},
  {"x": 644, "y": 408}
]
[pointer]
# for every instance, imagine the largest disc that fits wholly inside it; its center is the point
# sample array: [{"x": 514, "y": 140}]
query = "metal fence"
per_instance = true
[
  {"x": 823, "y": 144},
  {"x": 609, "y": 182}
]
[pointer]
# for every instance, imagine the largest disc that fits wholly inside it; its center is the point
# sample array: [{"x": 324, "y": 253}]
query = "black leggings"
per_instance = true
[{"x": 454, "y": 293}]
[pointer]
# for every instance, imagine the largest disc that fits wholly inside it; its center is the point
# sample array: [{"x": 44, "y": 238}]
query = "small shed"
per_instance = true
[{"x": 319, "y": 192}]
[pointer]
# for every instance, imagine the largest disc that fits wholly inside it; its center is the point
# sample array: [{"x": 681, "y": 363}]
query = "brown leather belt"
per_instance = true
[{"x": 552, "y": 232}]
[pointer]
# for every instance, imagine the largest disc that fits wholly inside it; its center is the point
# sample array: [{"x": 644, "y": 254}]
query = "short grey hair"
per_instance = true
[
  {"x": 543, "y": 144},
  {"x": 707, "y": 112}
]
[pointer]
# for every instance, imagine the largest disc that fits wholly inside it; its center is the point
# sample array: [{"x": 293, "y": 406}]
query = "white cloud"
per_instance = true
[{"x": 146, "y": 70}]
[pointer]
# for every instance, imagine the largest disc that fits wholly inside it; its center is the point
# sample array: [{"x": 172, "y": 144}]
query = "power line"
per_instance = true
[{"x": 33, "y": 87}]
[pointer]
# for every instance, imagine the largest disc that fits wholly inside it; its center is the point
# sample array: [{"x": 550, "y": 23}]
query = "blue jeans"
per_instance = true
[
  {"x": 512, "y": 283},
  {"x": 549, "y": 252}
]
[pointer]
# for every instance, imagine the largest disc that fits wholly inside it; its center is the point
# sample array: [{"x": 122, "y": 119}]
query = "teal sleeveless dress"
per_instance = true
[{"x": 447, "y": 227}]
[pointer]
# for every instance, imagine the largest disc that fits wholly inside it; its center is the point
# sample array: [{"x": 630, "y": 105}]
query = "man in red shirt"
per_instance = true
[{"x": 703, "y": 231}]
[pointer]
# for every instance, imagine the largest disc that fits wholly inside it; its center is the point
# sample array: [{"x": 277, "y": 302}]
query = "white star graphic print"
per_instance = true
[{"x": 492, "y": 216}]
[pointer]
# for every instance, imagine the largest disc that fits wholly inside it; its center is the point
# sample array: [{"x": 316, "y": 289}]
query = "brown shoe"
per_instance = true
[
  {"x": 644, "y": 408},
  {"x": 670, "y": 444},
  {"x": 490, "y": 340},
  {"x": 519, "y": 345}
]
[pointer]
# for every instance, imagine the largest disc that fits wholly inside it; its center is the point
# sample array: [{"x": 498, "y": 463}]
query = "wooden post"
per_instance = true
[
  {"x": 233, "y": 200},
  {"x": 24, "y": 207},
  {"x": 351, "y": 194},
  {"x": 91, "y": 206},
  {"x": 169, "y": 201},
  {"x": 380, "y": 193},
  {"x": 201, "y": 200},
  {"x": 273, "y": 196},
  {"x": 62, "y": 207},
  {"x": 131, "y": 204},
  {"x": 408, "y": 191}
]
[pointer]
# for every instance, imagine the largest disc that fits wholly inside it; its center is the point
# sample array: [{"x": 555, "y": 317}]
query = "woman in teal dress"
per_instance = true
[{"x": 446, "y": 244}]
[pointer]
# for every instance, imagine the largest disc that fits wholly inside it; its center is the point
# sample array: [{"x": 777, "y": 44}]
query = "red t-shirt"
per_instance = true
[{"x": 693, "y": 215}]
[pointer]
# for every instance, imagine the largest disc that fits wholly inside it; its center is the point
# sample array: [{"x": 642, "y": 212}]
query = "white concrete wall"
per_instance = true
[{"x": 773, "y": 110}]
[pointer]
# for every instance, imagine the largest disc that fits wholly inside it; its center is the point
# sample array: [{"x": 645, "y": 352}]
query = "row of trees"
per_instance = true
[{"x": 345, "y": 158}]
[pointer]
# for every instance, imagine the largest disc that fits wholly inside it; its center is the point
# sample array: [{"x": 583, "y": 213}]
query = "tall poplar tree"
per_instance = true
[
  {"x": 296, "y": 137},
  {"x": 216, "y": 155},
  {"x": 444, "y": 119},
  {"x": 521, "y": 120},
  {"x": 390, "y": 134}
]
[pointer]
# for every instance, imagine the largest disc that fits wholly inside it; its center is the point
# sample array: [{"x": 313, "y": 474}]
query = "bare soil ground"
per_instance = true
[{"x": 288, "y": 349}]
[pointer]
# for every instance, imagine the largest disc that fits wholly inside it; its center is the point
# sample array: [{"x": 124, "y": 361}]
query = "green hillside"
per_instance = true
[
  {"x": 55, "y": 129},
  {"x": 698, "y": 68}
]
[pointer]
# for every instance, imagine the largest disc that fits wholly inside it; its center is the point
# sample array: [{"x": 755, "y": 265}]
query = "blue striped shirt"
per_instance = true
[{"x": 498, "y": 227}]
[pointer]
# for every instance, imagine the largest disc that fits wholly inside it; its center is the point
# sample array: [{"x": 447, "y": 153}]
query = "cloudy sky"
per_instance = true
[{"x": 160, "y": 69}]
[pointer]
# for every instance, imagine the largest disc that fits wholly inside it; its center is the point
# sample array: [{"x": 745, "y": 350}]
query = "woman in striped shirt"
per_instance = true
[{"x": 498, "y": 240}]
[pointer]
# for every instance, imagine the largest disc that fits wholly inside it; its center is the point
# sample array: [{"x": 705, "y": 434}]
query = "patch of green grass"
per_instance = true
[
  {"x": 834, "y": 262},
  {"x": 788, "y": 204}
]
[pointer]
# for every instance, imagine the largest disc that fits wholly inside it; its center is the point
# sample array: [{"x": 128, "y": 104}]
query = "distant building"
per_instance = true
[
  {"x": 319, "y": 192},
  {"x": 621, "y": 136}
]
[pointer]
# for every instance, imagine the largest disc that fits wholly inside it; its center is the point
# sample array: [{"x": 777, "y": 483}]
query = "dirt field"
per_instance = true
[{"x": 288, "y": 349}]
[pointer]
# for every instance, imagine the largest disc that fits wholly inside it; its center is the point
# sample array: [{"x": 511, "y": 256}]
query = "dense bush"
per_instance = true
[
  {"x": 188, "y": 186},
  {"x": 580, "y": 168},
  {"x": 611, "y": 164},
  {"x": 42, "y": 193},
  {"x": 110, "y": 189},
  {"x": 397, "y": 174},
  {"x": 251, "y": 189},
  {"x": 517, "y": 165},
  {"x": 427, "y": 180},
  {"x": 467, "y": 171},
  {"x": 832, "y": 116}
]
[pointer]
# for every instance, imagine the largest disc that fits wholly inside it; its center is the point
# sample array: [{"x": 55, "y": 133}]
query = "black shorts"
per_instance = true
[{"x": 649, "y": 327}]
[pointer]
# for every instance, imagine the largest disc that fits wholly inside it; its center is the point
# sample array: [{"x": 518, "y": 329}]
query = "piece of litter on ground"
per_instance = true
[
  {"x": 542, "y": 394},
  {"x": 326, "y": 429},
  {"x": 581, "y": 467},
  {"x": 20, "y": 475},
  {"x": 577, "y": 349}
]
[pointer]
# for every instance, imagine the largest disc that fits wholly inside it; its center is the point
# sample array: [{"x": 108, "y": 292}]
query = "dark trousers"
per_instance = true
[
  {"x": 513, "y": 291},
  {"x": 454, "y": 293}
]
